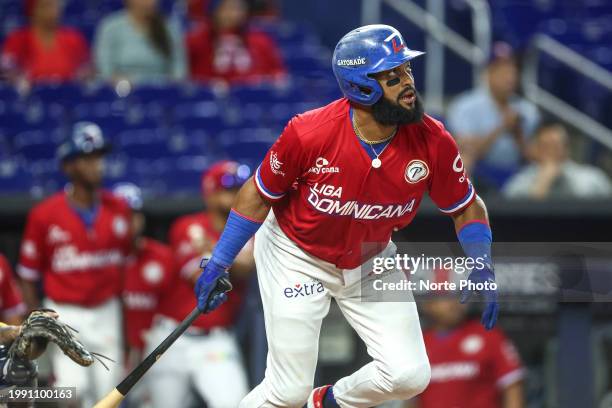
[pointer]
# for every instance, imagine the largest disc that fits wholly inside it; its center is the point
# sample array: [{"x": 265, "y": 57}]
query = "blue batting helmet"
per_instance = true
[
  {"x": 366, "y": 51},
  {"x": 131, "y": 193},
  {"x": 86, "y": 138}
]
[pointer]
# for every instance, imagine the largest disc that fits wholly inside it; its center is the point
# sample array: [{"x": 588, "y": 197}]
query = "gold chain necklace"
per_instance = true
[
  {"x": 370, "y": 142},
  {"x": 376, "y": 162}
]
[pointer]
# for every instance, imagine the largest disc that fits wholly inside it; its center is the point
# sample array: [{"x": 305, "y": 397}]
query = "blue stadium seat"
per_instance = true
[
  {"x": 148, "y": 143},
  {"x": 248, "y": 145},
  {"x": 14, "y": 177},
  {"x": 36, "y": 144}
]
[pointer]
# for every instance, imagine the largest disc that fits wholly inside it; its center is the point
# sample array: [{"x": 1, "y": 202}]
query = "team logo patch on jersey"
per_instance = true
[
  {"x": 152, "y": 272},
  {"x": 120, "y": 226},
  {"x": 275, "y": 164},
  {"x": 416, "y": 171},
  {"x": 472, "y": 344}
]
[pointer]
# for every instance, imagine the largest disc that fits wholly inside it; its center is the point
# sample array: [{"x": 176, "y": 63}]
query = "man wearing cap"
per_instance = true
[
  {"x": 209, "y": 341},
  {"x": 75, "y": 242},
  {"x": 339, "y": 180}
]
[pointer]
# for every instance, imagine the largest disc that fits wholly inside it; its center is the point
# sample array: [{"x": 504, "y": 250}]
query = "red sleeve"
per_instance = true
[
  {"x": 449, "y": 187},
  {"x": 186, "y": 258},
  {"x": 271, "y": 62},
  {"x": 12, "y": 302},
  {"x": 282, "y": 165},
  {"x": 14, "y": 50},
  {"x": 31, "y": 257},
  {"x": 199, "y": 53},
  {"x": 80, "y": 48},
  {"x": 507, "y": 368}
]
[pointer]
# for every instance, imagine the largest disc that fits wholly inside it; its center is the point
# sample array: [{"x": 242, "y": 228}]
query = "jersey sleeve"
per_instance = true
[
  {"x": 282, "y": 165},
  {"x": 187, "y": 259},
  {"x": 12, "y": 302},
  {"x": 507, "y": 367},
  {"x": 450, "y": 187},
  {"x": 32, "y": 246}
]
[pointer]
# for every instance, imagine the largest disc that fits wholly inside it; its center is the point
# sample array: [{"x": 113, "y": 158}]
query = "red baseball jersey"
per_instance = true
[
  {"x": 329, "y": 199},
  {"x": 186, "y": 236},
  {"x": 148, "y": 274},
  {"x": 11, "y": 303},
  {"x": 470, "y": 366},
  {"x": 78, "y": 265}
]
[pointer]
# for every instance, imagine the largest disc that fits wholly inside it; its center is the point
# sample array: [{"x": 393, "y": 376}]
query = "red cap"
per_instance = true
[{"x": 224, "y": 175}]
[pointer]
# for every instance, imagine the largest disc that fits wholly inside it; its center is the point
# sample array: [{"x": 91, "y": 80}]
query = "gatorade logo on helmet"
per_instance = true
[{"x": 366, "y": 51}]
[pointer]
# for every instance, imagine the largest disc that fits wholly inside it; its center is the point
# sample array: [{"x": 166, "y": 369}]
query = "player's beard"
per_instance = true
[{"x": 390, "y": 113}]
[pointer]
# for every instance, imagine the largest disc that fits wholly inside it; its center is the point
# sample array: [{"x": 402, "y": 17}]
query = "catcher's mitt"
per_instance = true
[{"x": 41, "y": 327}]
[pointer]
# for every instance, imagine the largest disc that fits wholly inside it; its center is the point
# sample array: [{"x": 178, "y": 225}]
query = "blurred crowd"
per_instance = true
[
  {"x": 139, "y": 44},
  {"x": 506, "y": 144}
]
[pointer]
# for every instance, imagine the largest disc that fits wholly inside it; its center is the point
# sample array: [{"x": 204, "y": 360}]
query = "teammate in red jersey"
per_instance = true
[
  {"x": 12, "y": 307},
  {"x": 338, "y": 177},
  {"x": 76, "y": 241},
  {"x": 149, "y": 269},
  {"x": 470, "y": 366},
  {"x": 209, "y": 342}
]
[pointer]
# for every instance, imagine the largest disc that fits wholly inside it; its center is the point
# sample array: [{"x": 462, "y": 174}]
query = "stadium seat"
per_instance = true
[
  {"x": 14, "y": 177},
  {"x": 36, "y": 144}
]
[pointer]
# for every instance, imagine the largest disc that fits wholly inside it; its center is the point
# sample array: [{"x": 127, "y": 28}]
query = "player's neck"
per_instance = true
[
  {"x": 369, "y": 128},
  {"x": 82, "y": 196}
]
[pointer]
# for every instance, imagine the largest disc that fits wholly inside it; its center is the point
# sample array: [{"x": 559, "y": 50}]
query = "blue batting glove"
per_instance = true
[
  {"x": 206, "y": 284},
  {"x": 478, "y": 277}
]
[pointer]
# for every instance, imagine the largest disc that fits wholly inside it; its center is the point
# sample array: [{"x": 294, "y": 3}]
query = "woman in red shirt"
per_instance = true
[
  {"x": 44, "y": 51},
  {"x": 226, "y": 49}
]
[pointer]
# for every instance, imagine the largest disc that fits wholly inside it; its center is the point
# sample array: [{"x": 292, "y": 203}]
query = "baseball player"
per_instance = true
[
  {"x": 12, "y": 307},
  {"x": 340, "y": 176},
  {"x": 149, "y": 269},
  {"x": 76, "y": 242},
  {"x": 471, "y": 367},
  {"x": 209, "y": 341}
]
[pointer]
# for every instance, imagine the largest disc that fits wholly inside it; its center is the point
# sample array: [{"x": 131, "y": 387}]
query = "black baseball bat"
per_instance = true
[{"x": 114, "y": 398}]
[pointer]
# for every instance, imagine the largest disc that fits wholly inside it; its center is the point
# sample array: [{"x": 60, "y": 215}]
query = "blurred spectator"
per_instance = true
[
  {"x": 138, "y": 44},
  {"x": 207, "y": 357},
  {"x": 148, "y": 271},
  {"x": 44, "y": 50},
  {"x": 198, "y": 9},
  {"x": 492, "y": 122},
  {"x": 470, "y": 366},
  {"x": 12, "y": 308},
  {"x": 225, "y": 48},
  {"x": 553, "y": 175},
  {"x": 76, "y": 242}
]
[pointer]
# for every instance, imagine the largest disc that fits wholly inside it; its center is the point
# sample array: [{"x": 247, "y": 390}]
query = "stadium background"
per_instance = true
[{"x": 165, "y": 135}]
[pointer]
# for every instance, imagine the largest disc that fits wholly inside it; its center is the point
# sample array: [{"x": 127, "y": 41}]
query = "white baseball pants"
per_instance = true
[
  {"x": 210, "y": 365},
  {"x": 99, "y": 329},
  {"x": 296, "y": 290}
]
